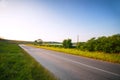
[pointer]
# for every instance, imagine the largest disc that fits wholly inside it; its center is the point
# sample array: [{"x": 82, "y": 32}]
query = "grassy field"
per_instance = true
[
  {"x": 16, "y": 64},
  {"x": 115, "y": 58}
]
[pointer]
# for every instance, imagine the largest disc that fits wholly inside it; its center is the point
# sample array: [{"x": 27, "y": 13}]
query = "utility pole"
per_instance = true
[
  {"x": 77, "y": 41},
  {"x": 77, "y": 38}
]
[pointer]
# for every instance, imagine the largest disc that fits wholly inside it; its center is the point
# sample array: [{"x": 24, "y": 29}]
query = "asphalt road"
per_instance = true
[{"x": 70, "y": 67}]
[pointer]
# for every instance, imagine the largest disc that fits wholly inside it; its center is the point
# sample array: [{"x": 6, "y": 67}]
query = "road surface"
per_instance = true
[{"x": 70, "y": 67}]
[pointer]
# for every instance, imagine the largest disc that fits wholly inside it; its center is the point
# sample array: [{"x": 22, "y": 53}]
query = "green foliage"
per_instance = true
[
  {"x": 90, "y": 44},
  {"x": 81, "y": 45},
  {"x": 67, "y": 43},
  {"x": 16, "y": 64},
  {"x": 38, "y": 42},
  {"x": 109, "y": 44}
]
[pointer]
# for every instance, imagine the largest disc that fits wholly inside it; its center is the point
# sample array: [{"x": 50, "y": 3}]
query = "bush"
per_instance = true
[
  {"x": 67, "y": 43},
  {"x": 109, "y": 44}
]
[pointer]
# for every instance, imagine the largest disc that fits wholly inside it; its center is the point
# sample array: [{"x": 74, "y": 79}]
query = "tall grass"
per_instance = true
[
  {"x": 115, "y": 58},
  {"x": 16, "y": 64}
]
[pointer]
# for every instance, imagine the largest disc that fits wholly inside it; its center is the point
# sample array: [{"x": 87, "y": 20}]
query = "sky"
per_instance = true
[{"x": 56, "y": 20}]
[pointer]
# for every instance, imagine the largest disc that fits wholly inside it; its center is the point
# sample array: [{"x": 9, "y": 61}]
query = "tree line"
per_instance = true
[{"x": 110, "y": 44}]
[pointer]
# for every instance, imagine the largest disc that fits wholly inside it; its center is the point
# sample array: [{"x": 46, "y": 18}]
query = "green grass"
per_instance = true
[
  {"x": 16, "y": 64},
  {"x": 115, "y": 58}
]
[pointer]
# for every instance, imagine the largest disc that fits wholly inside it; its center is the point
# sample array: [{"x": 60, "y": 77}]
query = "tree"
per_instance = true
[
  {"x": 39, "y": 41},
  {"x": 101, "y": 43},
  {"x": 90, "y": 45},
  {"x": 67, "y": 43}
]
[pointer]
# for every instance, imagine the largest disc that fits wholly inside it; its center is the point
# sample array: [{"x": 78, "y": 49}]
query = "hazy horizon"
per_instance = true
[{"x": 56, "y": 20}]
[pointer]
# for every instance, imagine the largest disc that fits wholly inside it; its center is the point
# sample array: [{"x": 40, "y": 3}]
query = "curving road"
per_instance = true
[{"x": 70, "y": 67}]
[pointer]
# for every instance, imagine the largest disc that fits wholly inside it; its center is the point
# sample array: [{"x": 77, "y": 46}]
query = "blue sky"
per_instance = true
[{"x": 56, "y": 20}]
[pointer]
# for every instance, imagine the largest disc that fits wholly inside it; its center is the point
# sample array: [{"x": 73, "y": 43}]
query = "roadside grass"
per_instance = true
[
  {"x": 112, "y": 57},
  {"x": 16, "y": 64}
]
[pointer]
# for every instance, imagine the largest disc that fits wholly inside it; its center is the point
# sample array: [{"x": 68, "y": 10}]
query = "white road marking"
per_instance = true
[{"x": 84, "y": 64}]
